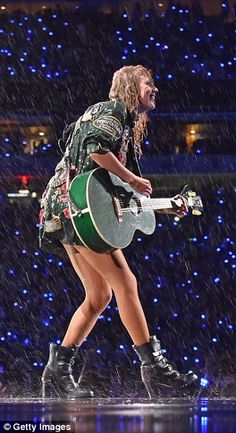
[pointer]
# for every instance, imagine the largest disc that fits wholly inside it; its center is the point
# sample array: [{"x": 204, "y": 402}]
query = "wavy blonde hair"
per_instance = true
[{"x": 125, "y": 86}]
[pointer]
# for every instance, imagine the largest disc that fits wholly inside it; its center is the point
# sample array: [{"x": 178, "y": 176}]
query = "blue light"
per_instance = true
[
  {"x": 204, "y": 382},
  {"x": 121, "y": 346},
  {"x": 216, "y": 279},
  {"x": 181, "y": 29},
  {"x": 146, "y": 46},
  {"x": 195, "y": 348},
  {"x": 169, "y": 76},
  {"x": 124, "y": 58},
  {"x": 197, "y": 360},
  {"x": 17, "y": 232},
  {"x": 125, "y": 15},
  {"x": 118, "y": 32},
  {"x": 214, "y": 340},
  {"x": 39, "y": 20},
  {"x": 151, "y": 38},
  {"x": 186, "y": 358},
  {"x": 173, "y": 7},
  {"x": 134, "y": 50},
  {"x": 44, "y": 48},
  {"x": 26, "y": 341},
  {"x": 155, "y": 300},
  {"x": 130, "y": 43},
  {"x": 186, "y": 56},
  {"x": 203, "y": 316},
  {"x": 209, "y": 74},
  {"x": 130, "y": 29},
  {"x": 210, "y": 35},
  {"x": 59, "y": 46},
  {"x": 120, "y": 39},
  {"x": 51, "y": 33},
  {"x": 98, "y": 351}
]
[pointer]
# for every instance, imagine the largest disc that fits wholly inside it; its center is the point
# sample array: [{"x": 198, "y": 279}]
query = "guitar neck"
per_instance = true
[{"x": 157, "y": 203}]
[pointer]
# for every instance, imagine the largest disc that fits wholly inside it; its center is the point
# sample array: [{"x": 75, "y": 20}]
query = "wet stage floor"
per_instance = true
[{"x": 118, "y": 415}]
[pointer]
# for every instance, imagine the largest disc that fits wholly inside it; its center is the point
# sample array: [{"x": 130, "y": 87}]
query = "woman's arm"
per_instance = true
[{"x": 110, "y": 162}]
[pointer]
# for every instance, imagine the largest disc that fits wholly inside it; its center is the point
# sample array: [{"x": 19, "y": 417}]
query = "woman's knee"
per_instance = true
[
  {"x": 98, "y": 301},
  {"x": 126, "y": 284}
]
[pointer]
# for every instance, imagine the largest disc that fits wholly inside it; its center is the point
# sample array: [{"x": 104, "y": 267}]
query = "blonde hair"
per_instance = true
[{"x": 125, "y": 86}]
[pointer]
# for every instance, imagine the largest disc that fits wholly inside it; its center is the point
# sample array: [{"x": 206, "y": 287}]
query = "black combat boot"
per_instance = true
[
  {"x": 159, "y": 376},
  {"x": 57, "y": 378}
]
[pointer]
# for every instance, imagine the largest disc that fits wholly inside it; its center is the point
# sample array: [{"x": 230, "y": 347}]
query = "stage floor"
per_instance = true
[{"x": 118, "y": 415}]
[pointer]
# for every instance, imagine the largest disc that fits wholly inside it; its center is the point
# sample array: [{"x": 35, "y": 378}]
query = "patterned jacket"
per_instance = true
[{"x": 105, "y": 126}]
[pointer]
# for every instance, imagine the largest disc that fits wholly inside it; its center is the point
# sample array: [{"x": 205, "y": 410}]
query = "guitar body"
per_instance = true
[{"x": 106, "y": 212}]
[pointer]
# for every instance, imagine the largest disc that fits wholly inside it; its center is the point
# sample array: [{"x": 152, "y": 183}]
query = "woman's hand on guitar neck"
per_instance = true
[{"x": 141, "y": 185}]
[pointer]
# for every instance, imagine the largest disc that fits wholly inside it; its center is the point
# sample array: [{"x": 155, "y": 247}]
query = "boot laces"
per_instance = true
[{"x": 163, "y": 362}]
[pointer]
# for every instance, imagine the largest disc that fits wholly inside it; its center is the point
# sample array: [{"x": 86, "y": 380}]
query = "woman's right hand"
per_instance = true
[{"x": 141, "y": 185}]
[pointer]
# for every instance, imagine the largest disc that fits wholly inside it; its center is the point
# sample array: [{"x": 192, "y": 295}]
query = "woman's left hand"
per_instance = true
[{"x": 181, "y": 211}]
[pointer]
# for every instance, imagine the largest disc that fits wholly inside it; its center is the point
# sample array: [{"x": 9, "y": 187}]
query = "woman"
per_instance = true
[{"x": 105, "y": 136}]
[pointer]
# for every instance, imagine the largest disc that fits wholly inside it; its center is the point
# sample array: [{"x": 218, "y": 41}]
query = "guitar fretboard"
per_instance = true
[{"x": 156, "y": 203}]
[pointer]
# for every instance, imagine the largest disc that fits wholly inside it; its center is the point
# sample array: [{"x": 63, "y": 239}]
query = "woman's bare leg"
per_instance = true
[
  {"x": 98, "y": 296},
  {"x": 114, "y": 269}
]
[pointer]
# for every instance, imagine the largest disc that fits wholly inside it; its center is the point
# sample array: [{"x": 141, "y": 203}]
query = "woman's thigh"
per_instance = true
[
  {"x": 112, "y": 267},
  {"x": 91, "y": 279}
]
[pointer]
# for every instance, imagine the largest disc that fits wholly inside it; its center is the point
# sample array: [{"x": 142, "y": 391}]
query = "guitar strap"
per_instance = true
[{"x": 69, "y": 144}]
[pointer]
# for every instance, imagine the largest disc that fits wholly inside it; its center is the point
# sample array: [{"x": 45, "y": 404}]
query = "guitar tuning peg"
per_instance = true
[
  {"x": 196, "y": 212},
  {"x": 192, "y": 194}
]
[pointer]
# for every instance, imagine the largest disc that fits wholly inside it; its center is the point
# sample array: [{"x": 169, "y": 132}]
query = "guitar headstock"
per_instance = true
[{"x": 194, "y": 201}]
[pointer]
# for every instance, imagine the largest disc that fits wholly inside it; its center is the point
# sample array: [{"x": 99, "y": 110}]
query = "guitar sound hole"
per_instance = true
[{"x": 133, "y": 206}]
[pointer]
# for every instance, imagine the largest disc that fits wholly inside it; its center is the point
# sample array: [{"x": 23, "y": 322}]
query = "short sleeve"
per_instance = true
[{"x": 104, "y": 125}]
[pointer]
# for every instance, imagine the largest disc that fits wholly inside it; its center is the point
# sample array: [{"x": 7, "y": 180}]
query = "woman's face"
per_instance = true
[{"x": 147, "y": 94}]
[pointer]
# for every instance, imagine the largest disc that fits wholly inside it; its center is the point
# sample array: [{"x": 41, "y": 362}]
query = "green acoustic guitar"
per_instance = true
[{"x": 106, "y": 211}]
